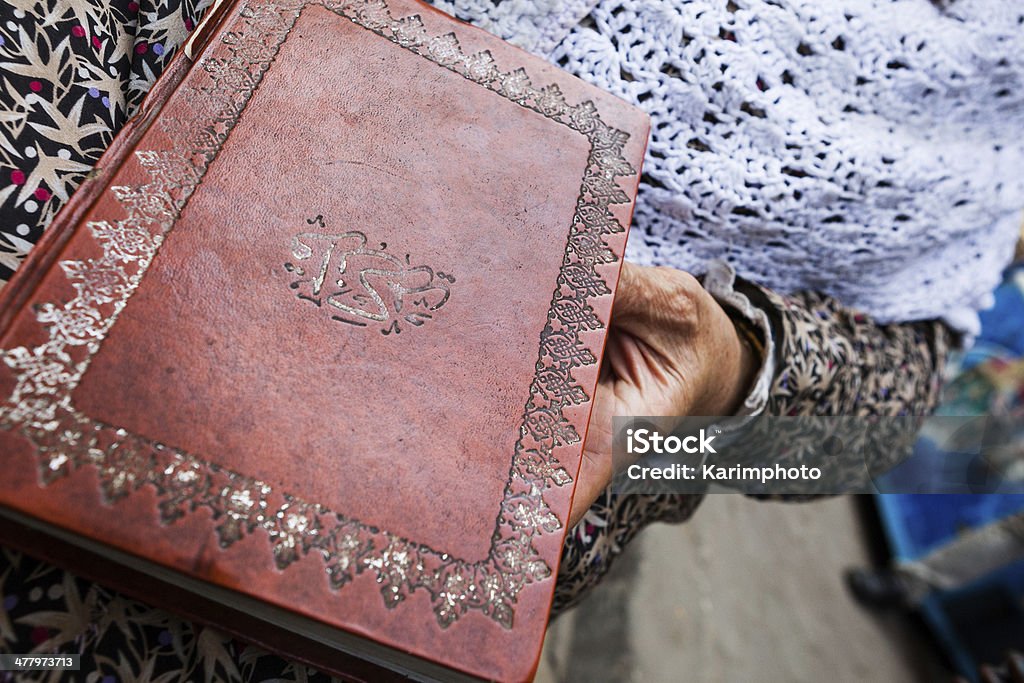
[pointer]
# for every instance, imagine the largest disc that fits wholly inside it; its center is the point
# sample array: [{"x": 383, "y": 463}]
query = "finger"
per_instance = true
[{"x": 614, "y": 359}]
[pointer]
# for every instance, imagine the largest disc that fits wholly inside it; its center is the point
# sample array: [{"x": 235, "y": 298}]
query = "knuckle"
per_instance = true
[{"x": 681, "y": 289}]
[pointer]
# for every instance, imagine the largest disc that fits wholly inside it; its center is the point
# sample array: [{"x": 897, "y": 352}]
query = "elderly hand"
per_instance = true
[{"x": 672, "y": 350}]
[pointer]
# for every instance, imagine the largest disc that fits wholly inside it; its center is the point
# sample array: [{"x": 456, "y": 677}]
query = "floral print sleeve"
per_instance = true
[
  {"x": 834, "y": 361},
  {"x": 831, "y": 360}
]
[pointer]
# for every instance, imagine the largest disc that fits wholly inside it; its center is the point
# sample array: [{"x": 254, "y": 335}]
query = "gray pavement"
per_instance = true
[{"x": 746, "y": 591}]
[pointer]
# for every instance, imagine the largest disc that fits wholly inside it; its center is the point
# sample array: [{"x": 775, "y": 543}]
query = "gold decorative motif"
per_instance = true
[
  {"x": 363, "y": 285},
  {"x": 40, "y": 405}
]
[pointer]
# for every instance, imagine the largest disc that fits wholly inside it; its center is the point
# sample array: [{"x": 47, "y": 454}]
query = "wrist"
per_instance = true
[
  {"x": 751, "y": 326},
  {"x": 751, "y": 352},
  {"x": 732, "y": 362}
]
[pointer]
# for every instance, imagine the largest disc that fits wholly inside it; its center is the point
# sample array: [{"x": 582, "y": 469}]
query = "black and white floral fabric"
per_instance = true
[{"x": 71, "y": 73}]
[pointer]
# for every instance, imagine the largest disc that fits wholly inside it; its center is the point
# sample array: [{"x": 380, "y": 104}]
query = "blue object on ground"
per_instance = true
[{"x": 975, "y": 623}]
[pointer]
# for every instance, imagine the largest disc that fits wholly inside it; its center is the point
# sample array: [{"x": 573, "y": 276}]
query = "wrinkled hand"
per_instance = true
[{"x": 672, "y": 350}]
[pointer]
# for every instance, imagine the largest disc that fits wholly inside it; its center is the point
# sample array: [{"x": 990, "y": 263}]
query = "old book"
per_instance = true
[{"x": 318, "y": 339}]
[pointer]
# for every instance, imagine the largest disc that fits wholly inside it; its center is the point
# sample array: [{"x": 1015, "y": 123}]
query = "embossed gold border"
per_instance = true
[{"x": 41, "y": 407}]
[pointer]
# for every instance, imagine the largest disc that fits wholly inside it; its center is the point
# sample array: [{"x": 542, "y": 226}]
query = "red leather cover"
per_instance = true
[{"x": 325, "y": 326}]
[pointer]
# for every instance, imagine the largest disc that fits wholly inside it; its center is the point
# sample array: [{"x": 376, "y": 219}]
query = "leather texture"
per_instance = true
[{"x": 372, "y": 279}]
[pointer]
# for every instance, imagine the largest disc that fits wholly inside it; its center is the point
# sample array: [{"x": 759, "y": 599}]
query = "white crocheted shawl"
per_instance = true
[{"x": 872, "y": 150}]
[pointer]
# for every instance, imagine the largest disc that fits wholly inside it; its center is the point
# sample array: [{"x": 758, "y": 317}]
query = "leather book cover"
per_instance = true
[{"x": 324, "y": 326}]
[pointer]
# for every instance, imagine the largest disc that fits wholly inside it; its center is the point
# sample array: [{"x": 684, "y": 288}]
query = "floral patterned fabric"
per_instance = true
[{"x": 71, "y": 73}]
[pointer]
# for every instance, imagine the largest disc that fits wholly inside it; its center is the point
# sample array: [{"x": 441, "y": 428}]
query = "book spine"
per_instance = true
[{"x": 46, "y": 252}]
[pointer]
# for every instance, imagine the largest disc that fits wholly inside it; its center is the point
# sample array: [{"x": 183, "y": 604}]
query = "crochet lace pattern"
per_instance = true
[{"x": 866, "y": 149}]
